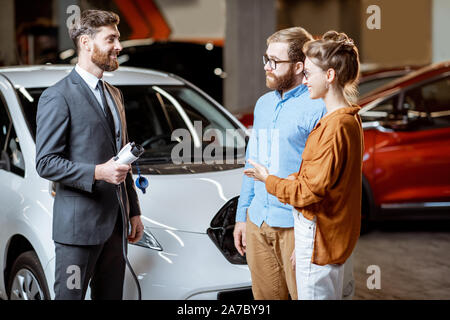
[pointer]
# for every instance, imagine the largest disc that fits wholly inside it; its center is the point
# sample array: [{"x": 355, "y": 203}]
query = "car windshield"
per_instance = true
[
  {"x": 365, "y": 87},
  {"x": 174, "y": 124}
]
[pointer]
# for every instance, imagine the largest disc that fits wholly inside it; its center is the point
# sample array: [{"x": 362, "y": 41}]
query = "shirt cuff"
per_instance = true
[{"x": 241, "y": 215}]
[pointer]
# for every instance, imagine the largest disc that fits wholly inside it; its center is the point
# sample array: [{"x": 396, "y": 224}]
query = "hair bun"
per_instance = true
[
  {"x": 339, "y": 37},
  {"x": 335, "y": 36}
]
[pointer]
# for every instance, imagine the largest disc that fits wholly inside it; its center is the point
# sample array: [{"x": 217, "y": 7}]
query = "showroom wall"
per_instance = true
[
  {"x": 404, "y": 36},
  {"x": 412, "y": 29},
  {"x": 440, "y": 28},
  {"x": 194, "y": 19},
  {"x": 405, "y": 26},
  {"x": 7, "y": 26}
]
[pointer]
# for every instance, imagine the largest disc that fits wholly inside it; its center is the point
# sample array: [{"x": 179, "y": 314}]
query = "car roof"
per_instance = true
[
  {"x": 386, "y": 73},
  {"x": 42, "y": 76},
  {"x": 405, "y": 81}
]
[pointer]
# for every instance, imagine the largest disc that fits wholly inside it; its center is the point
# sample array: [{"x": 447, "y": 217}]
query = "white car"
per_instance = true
[{"x": 188, "y": 209}]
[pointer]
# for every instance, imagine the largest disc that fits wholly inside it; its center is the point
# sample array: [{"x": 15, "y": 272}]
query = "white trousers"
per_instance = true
[{"x": 316, "y": 282}]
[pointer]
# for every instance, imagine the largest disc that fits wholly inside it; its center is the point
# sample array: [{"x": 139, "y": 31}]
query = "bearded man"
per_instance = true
[
  {"x": 81, "y": 126},
  {"x": 283, "y": 119}
]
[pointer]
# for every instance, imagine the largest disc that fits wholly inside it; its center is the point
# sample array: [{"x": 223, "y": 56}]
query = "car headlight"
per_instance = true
[
  {"x": 149, "y": 241},
  {"x": 221, "y": 232}
]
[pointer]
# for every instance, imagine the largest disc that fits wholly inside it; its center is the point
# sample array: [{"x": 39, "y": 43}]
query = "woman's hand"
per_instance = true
[
  {"x": 293, "y": 261},
  {"x": 259, "y": 172}
]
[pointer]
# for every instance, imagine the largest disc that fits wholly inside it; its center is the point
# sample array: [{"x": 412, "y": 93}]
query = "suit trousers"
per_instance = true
[
  {"x": 268, "y": 253},
  {"x": 103, "y": 265}
]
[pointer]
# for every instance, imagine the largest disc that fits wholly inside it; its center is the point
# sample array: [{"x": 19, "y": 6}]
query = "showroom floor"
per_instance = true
[{"x": 413, "y": 259}]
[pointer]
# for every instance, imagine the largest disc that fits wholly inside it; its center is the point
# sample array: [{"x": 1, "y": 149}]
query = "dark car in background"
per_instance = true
[{"x": 199, "y": 63}]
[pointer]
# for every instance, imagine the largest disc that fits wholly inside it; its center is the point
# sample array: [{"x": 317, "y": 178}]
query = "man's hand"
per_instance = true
[
  {"x": 240, "y": 241},
  {"x": 112, "y": 172},
  {"x": 137, "y": 229}
]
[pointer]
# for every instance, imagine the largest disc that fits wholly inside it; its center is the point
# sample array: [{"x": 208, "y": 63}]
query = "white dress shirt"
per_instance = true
[{"x": 92, "y": 82}]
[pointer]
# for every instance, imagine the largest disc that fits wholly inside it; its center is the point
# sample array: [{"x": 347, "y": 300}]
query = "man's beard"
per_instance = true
[
  {"x": 103, "y": 60},
  {"x": 281, "y": 83}
]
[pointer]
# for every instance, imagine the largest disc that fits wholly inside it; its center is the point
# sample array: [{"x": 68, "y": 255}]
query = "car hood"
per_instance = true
[{"x": 187, "y": 202}]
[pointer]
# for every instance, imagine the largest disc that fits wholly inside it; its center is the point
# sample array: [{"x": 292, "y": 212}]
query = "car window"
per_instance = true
[
  {"x": 5, "y": 125},
  {"x": 384, "y": 111},
  {"x": 11, "y": 154},
  {"x": 388, "y": 114},
  {"x": 367, "y": 86},
  {"x": 29, "y": 99},
  {"x": 428, "y": 106},
  {"x": 155, "y": 112}
]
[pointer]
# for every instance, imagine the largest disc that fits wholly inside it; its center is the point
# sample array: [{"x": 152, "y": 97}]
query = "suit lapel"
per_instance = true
[{"x": 87, "y": 93}]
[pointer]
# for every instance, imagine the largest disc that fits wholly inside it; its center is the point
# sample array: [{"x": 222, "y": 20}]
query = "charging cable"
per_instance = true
[
  {"x": 130, "y": 153},
  {"x": 125, "y": 241}
]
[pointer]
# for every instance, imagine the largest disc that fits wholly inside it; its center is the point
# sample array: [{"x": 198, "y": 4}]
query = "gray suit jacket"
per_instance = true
[{"x": 72, "y": 138}]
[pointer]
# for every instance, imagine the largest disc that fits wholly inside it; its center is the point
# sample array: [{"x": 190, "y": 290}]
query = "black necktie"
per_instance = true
[{"x": 107, "y": 110}]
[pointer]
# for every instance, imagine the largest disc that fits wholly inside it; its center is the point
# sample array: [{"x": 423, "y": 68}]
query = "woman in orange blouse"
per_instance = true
[{"x": 326, "y": 192}]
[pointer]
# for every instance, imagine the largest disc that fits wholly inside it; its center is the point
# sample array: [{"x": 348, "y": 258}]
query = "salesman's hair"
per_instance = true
[
  {"x": 90, "y": 22},
  {"x": 337, "y": 51},
  {"x": 295, "y": 37}
]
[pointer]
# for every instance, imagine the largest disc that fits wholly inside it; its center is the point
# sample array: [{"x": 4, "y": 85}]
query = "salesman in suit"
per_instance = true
[{"x": 80, "y": 128}]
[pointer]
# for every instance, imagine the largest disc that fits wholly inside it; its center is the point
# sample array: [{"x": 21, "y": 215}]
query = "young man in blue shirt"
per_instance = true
[{"x": 283, "y": 119}]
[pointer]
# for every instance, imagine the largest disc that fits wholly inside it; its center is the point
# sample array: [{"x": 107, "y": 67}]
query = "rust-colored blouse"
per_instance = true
[{"x": 328, "y": 185}]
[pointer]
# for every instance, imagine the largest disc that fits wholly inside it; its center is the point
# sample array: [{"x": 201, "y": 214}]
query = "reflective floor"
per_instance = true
[{"x": 413, "y": 260}]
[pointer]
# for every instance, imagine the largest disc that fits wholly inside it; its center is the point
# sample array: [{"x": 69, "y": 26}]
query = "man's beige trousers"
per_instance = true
[{"x": 268, "y": 252}]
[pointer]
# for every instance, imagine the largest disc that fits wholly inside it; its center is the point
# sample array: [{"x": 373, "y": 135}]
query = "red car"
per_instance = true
[
  {"x": 406, "y": 164},
  {"x": 373, "y": 79}
]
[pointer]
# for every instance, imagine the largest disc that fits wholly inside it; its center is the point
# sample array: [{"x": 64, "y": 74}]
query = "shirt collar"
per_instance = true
[
  {"x": 88, "y": 77},
  {"x": 353, "y": 110},
  {"x": 295, "y": 92}
]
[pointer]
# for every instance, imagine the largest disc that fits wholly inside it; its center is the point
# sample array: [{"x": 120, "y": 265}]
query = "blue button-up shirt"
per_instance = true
[{"x": 281, "y": 126}]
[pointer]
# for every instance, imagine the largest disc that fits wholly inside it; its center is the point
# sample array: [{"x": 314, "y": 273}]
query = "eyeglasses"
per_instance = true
[{"x": 273, "y": 63}]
